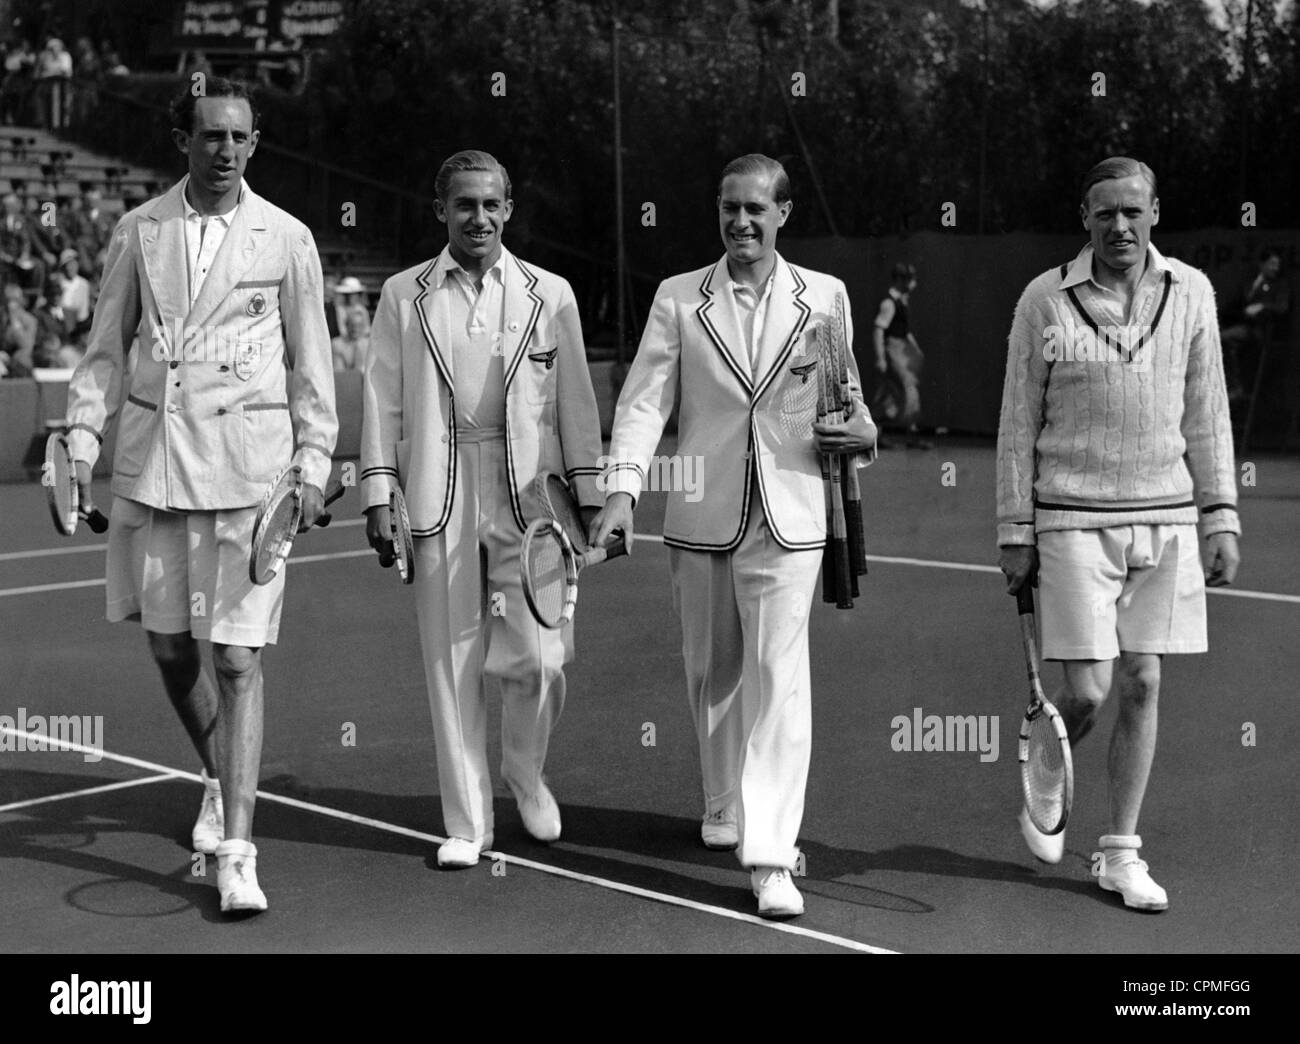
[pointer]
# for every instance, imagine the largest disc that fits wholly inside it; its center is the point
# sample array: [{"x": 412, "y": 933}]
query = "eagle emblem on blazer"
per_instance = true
[
  {"x": 804, "y": 371},
  {"x": 546, "y": 356},
  {"x": 247, "y": 355}
]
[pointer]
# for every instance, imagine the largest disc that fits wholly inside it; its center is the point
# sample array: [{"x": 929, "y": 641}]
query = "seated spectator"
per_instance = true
[
  {"x": 1263, "y": 302},
  {"x": 16, "y": 88},
  {"x": 90, "y": 227},
  {"x": 352, "y": 347},
  {"x": 76, "y": 291},
  {"x": 19, "y": 260},
  {"x": 55, "y": 324},
  {"x": 17, "y": 333}
]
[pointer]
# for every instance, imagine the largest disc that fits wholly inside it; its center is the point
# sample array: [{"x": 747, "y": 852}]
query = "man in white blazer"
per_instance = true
[
  {"x": 231, "y": 381},
  {"x": 477, "y": 381},
  {"x": 735, "y": 342}
]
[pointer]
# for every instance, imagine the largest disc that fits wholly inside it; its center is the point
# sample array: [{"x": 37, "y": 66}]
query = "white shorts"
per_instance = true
[
  {"x": 188, "y": 571},
  {"x": 1136, "y": 588}
]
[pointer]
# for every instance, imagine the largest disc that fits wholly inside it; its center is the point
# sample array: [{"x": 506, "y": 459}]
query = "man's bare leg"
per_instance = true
[
  {"x": 1133, "y": 743},
  {"x": 191, "y": 692},
  {"x": 1087, "y": 684},
  {"x": 239, "y": 681}
]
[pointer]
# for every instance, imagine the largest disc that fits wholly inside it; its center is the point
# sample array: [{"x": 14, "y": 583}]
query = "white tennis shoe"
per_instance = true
[
  {"x": 719, "y": 830},
  {"x": 777, "y": 895},
  {"x": 540, "y": 813},
  {"x": 1125, "y": 873},
  {"x": 1047, "y": 848},
  {"x": 237, "y": 877},
  {"x": 459, "y": 852},
  {"x": 210, "y": 828}
]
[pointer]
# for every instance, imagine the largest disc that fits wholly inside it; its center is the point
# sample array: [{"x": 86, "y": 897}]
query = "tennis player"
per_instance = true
[
  {"x": 733, "y": 342},
  {"x": 1114, "y": 445},
  {"x": 478, "y": 381},
  {"x": 221, "y": 294}
]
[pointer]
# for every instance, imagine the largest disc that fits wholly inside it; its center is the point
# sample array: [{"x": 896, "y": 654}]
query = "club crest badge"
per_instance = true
[
  {"x": 804, "y": 371},
  {"x": 257, "y": 306},
  {"x": 546, "y": 356},
  {"x": 247, "y": 356}
]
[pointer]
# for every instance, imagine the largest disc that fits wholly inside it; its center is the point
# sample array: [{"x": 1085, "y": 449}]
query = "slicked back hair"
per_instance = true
[
  {"x": 467, "y": 160},
  {"x": 1117, "y": 167},
  {"x": 757, "y": 163},
  {"x": 182, "y": 106}
]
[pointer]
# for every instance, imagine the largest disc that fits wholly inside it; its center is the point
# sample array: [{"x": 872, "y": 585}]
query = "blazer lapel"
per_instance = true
[
  {"x": 522, "y": 307},
  {"x": 435, "y": 320},
  {"x": 787, "y": 315},
  {"x": 162, "y": 246},
  {"x": 718, "y": 317},
  {"x": 234, "y": 258}
]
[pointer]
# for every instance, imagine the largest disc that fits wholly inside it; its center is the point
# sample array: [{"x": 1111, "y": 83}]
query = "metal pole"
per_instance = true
[
  {"x": 984, "y": 114},
  {"x": 1248, "y": 57},
  {"x": 618, "y": 195}
]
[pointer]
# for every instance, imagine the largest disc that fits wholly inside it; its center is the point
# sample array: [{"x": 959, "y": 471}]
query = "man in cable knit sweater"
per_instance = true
[{"x": 1114, "y": 444}]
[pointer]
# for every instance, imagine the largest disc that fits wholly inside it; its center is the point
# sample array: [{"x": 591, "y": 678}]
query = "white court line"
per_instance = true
[
  {"x": 418, "y": 835},
  {"x": 650, "y": 538},
  {"x": 81, "y": 793}
]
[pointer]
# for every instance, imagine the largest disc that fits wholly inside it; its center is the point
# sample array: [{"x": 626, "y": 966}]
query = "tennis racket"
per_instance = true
[
  {"x": 1046, "y": 768},
  {"x": 278, "y": 518},
  {"x": 59, "y": 477},
  {"x": 399, "y": 523},
  {"x": 550, "y": 565},
  {"x": 557, "y": 501}
]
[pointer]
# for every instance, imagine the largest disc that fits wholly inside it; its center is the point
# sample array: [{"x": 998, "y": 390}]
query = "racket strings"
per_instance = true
[
  {"x": 544, "y": 561},
  {"x": 278, "y": 526},
  {"x": 1045, "y": 773}
]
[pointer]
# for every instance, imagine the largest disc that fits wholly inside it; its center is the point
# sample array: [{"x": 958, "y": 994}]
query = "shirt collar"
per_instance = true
[
  {"x": 1080, "y": 270},
  {"x": 223, "y": 218},
  {"x": 446, "y": 264}
]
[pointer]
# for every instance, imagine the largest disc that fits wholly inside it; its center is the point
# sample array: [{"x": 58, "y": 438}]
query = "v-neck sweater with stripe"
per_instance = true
[{"x": 1092, "y": 437}]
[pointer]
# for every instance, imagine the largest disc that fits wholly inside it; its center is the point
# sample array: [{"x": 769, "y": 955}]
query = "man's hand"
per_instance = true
[
  {"x": 856, "y": 435},
  {"x": 1019, "y": 564},
  {"x": 615, "y": 515},
  {"x": 1224, "y": 559},
  {"x": 379, "y": 533},
  {"x": 587, "y": 514},
  {"x": 1252, "y": 310},
  {"x": 313, "y": 505}
]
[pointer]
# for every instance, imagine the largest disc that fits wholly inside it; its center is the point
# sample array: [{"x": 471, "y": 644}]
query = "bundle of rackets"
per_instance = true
[
  {"x": 278, "y": 519},
  {"x": 59, "y": 477},
  {"x": 555, "y": 551},
  {"x": 845, "y": 557}
]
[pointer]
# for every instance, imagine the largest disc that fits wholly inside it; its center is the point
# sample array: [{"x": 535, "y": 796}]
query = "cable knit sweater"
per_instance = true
[{"x": 1108, "y": 425}]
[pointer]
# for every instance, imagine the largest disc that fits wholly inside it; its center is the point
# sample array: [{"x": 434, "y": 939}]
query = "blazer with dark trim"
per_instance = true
[
  {"x": 225, "y": 392},
  {"x": 745, "y": 429},
  {"x": 408, "y": 430}
]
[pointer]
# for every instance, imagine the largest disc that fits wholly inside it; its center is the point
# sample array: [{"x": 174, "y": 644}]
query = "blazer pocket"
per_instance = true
[
  {"x": 134, "y": 434},
  {"x": 543, "y": 367},
  {"x": 268, "y": 440}
]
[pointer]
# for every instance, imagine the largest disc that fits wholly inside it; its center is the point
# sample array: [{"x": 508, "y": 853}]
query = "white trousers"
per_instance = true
[
  {"x": 744, "y": 620},
  {"x": 477, "y": 634}
]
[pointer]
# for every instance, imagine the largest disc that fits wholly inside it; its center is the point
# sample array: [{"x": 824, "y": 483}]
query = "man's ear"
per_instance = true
[
  {"x": 182, "y": 140},
  {"x": 439, "y": 210},
  {"x": 252, "y": 143},
  {"x": 784, "y": 210},
  {"x": 1155, "y": 211},
  {"x": 507, "y": 210},
  {"x": 1083, "y": 214}
]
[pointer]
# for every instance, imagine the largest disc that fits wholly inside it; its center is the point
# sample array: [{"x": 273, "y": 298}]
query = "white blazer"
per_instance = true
[
  {"x": 742, "y": 423},
  {"x": 408, "y": 431}
]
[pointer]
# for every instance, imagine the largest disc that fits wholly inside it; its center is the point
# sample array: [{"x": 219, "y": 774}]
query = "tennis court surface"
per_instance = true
[{"x": 905, "y": 850}]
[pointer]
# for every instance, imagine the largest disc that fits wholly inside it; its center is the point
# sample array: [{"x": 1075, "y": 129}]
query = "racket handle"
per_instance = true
[
  {"x": 615, "y": 548},
  {"x": 1025, "y": 598},
  {"x": 335, "y": 491},
  {"x": 97, "y": 521}
]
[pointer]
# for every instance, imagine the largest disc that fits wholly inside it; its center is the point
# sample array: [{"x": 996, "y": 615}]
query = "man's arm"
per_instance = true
[
  {"x": 579, "y": 420},
  {"x": 95, "y": 393},
  {"x": 311, "y": 365},
  {"x": 1019, "y": 424},
  {"x": 1207, "y": 431},
  {"x": 883, "y": 318},
  {"x": 381, "y": 421},
  {"x": 644, "y": 406}
]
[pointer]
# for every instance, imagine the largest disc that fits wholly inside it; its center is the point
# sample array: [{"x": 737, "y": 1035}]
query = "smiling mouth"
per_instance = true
[
  {"x": 479, "y": 237},
  {"x": 744, "y": 237}
]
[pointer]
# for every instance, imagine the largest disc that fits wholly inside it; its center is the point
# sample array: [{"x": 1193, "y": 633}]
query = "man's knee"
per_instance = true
[
  {"x": 1087, "y": 683},
  {"x": 236, "y": 662},
  {"x": 174, "y": 653},
  {"x": 1139, "y": 678}
]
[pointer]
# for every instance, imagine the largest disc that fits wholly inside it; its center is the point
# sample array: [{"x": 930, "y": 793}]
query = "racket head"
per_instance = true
[
  {"x": 549, "y": 571},
  {"x": 1046, "y": 767},
  {"x": 399, "y": 522},
  {"x": 60, "y": 480},
  {"x": 275, "y": 526},
  {"x": 559, "y": 504}
]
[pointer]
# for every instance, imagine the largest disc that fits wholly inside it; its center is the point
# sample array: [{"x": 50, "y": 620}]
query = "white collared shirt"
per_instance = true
[
  {"x": 204, "y": 236},
  {"x": 477, "y": 340},
  {"x": 1106, "y": 304},
  {"x": 750, "y": 309}
]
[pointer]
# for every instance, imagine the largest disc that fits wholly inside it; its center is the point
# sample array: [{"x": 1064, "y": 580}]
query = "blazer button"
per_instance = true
[
  {"x": 174, "y": 363},
  {"x": 221, "y": 411},
  {"x": 446, "y": 437}
]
